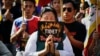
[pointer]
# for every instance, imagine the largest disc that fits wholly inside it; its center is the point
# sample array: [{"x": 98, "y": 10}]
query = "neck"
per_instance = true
[
  {"x": 69, "y": 21},
  {"x": 28, "y": 17},
  {"x": 58, "y": 13}
]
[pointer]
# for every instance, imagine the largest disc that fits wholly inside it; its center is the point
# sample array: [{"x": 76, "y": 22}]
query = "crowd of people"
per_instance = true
[{"x": 19, "y": 28}]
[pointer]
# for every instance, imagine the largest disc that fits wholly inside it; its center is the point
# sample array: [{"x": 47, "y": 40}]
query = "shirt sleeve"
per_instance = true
[
  {"x": 68, "y": 51},
  {"x": 30, "y": 49}
]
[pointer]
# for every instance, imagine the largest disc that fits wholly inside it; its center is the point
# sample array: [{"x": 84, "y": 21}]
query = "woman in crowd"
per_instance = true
[{"x": 48, "y": 47}]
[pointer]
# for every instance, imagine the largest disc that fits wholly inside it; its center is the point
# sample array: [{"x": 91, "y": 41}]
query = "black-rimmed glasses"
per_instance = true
[{"x": 68, "y": 9}]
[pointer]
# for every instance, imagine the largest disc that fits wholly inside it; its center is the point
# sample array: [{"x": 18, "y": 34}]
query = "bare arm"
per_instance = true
[
  {"x": 73, "y": 41},
  {"x": 18, "y": 33},
  {"x": 15, "y": 36},
  {"x": 76, "y": 43}
]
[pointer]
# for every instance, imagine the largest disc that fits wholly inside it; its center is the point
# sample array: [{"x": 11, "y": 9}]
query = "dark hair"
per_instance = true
[
  {"x": 33, "y": 1},
  {"x": 52, "y": 1},
  {"x": 49, "y": 9},
  {"x": 86, "y": 5},
  {"x": 72, "y": 2}
]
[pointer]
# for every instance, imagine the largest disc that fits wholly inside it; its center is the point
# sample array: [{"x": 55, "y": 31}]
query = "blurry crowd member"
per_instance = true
[
  {"x": 6, "y": 23},
  {"x": 24, "y": 26},
  {"x": 83, "y": 12},
  {"x": 34, "y": 48},
  {"x": 89, "y": 22},
  {"x": 4, "y": 50},
  {"x": 56, "y": 5},
  {"x": 94, "y": 48},
  {"x": 89, "y": 18},
  {"x": 6, "y": 10},
  {"x": 75, "y": 30}
]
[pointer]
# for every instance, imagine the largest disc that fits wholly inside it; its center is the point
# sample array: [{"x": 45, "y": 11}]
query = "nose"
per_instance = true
[
  {"x": 66, "y": 12},
  {"x": 28, "y": 8}
]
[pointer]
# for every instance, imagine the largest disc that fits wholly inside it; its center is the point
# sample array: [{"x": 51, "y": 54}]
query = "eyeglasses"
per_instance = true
[{"x": 68, "y": 9}]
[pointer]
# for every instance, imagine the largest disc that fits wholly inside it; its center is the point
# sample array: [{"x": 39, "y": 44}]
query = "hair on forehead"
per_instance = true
[
  {"x": 49, "y": 9},
  {"x": 70, "y": 1},
  {"x": 53, "y": 1},
  {"x": 33, "y": 1}
]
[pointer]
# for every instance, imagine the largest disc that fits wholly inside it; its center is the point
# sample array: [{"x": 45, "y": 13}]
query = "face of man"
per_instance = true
[
  {"x": 68, "y": 12},
  {"x": 48, "y": 16},
  {"x": 56, "y": 5},
  {"x": 28, "y": 7}
]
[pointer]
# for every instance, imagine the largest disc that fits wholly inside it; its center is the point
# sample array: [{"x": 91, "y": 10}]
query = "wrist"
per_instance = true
[
  {"x": 57, "y": 53},
  {"x": 69, "y": 34},
  {"x": 53, "y": 53},
  {"x": 43, "y": 52}
]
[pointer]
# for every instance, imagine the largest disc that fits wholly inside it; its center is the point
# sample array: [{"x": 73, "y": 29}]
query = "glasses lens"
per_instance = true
[
  {"x": 64, "y": 9},
  {"x": 68, "y": 9}
]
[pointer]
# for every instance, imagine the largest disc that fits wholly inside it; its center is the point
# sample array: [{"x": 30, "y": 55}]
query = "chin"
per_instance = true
[
  {"x": 66, "y": 19},
  {"x": 27, "y": 15}
]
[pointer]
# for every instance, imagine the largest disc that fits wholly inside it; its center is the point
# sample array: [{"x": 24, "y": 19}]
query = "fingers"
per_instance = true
[
  {"x": 65, "y": 29},
  {"x": 8, "y": 15},
  {"x": 25, "y": 35},
  {"x": 96, "y": 35},
  {"x": 49, "y": 38},
  {"x": 49, "y": 43},
  {"x": 23, "y": 26}
]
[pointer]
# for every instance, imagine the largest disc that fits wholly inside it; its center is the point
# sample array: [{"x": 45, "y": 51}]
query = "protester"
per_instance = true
[
  {"x": 24, "y": 26},
  {"x": 75, "y": 30},
  {"x": 94, "y": 46},
  {"x": 36, "y": 48},
  {"x": 83, "y": 12},
  {"x": 8, "y": 16}
]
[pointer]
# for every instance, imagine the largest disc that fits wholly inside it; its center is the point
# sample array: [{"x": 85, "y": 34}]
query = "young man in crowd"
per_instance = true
[
  {"x": 24, "y": 26},
  {"x": 75, "y": 30}
]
